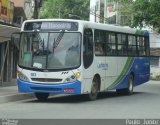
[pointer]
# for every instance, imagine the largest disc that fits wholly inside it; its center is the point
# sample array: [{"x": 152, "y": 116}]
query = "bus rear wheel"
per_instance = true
[
  {"x": 94, "y": 90},
  {"x": 42, "y": 96},
  {"x": 129, "y": 89}
]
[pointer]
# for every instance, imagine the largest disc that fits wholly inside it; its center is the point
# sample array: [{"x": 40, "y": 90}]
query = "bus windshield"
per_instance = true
[{"x": 51, "y": 50}]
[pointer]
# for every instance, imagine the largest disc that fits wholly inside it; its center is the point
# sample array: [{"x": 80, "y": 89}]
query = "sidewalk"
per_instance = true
[
  {"x": 9, "y": 93},
  {"x": 155, "y": 72}
]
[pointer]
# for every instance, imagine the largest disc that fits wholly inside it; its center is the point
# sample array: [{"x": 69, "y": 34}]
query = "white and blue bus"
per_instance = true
[{"x": 66, "y": 56}]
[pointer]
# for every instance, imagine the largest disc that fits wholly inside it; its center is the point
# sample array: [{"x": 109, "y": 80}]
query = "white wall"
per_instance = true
[
  {"x": 154, "y": 40},
  {"x": 92, "y": 9}
]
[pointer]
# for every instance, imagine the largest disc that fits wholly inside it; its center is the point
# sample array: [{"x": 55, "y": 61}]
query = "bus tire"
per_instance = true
[
  {"x": 94, "y": 90},
  {"x": 129, "y": 89},
  {"x": 42, "y": 96}
]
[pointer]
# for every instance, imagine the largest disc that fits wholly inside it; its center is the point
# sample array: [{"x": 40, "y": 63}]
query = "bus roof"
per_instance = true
[{"x": 87, "y": 24}]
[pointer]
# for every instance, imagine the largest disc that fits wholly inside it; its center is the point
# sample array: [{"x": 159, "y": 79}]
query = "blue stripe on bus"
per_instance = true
[
  {"x": 140, "y": 70},
  {"x": 28, "y": 87}
]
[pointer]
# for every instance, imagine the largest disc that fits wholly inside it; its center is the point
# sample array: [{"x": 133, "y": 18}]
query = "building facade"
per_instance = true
[
  {"x": 23, "y": 10},
  {"x": 108, "y": 11}
]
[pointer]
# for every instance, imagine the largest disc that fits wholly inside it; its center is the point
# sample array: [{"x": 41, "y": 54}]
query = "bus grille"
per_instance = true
[
  {"x": 46, "y": 89},
  {"x": 46, "y": 80}
]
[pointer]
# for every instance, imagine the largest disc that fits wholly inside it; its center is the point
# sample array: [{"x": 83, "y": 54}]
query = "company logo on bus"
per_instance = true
[{"x": 103, "y": 66}]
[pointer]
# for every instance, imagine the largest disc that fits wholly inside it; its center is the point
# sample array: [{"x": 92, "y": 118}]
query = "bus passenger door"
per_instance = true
[{"x": 87, "y": 60}]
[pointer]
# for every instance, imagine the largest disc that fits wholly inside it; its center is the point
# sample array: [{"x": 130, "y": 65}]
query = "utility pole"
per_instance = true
[
  {"x": 95, "y": 10},
  {"x": 35, "y": 16},
  {"x": 37, "y": 6},
  {"x": 117, "y": 12},
  {"x": 92, "y": 16},
  {"x": 59, "y": 10}
]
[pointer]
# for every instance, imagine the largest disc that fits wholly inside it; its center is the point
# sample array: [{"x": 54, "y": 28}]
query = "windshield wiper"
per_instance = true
[{"x": 59, "y": 38}]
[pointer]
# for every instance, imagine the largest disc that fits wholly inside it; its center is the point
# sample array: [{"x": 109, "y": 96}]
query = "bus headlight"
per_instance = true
[
  {"x": 78, "y": 74},
  {"x": 70, "y": 79},
  {"x": 23, "y": 77}
]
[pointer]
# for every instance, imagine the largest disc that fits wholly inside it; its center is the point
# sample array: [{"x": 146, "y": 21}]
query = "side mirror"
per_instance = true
[{"x": 15, "y": 39}]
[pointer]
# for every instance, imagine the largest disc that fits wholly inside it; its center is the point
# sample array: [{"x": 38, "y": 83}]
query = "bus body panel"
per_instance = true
[
  {"x": 49, "y": 82},
  {"x": 106, "y": 67},
  {"x": 53, "y": 77},
  {"x": 123, "y": 67},
  {"x": 64, "y": 88},
  {"x": 139, "y": 70},
  {"x": 100, "y": 69}
]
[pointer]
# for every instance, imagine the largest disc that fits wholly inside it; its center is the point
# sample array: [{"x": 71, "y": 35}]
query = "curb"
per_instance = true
[
  {"x": 24, "y": 96},
  {"x": 16, "y": 97}
]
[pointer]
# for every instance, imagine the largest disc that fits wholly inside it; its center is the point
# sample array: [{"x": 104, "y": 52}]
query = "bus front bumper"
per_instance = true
[{"x": 64, "y": 88}]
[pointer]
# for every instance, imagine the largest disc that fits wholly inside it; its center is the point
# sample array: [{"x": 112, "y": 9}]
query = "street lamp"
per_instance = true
[{"x": 74, "y": 16}]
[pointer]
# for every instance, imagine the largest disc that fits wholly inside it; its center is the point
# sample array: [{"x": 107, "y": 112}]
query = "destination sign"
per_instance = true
[{"x": 51, "y": 26}]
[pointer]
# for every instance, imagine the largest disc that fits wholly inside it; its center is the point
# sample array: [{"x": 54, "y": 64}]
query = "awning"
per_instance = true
[{"x": 6, "y": 32}]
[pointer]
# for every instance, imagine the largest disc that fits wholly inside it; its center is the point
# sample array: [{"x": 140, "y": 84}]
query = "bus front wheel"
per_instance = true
[
  {"x": 94, "y": 90},
  {"x": 129, "y": 89},
  {"x": 42, "y": 96}
]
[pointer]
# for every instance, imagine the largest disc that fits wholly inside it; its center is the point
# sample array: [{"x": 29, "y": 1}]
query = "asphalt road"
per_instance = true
[{"x": 144, "y": 103}]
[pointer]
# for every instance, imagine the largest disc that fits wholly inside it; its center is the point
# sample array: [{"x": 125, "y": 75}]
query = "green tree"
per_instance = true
[
  {"x": 146, "y": 12},
  {"x": 65, "y": 9},
  {"x": 143, "y": 12}
]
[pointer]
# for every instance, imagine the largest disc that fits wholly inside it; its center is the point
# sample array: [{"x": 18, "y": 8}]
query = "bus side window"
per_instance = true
[
  {"x": 87, "y": 48},
  {"x": 112, "y": 44},
  {"x": 99, "y": 43}
]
